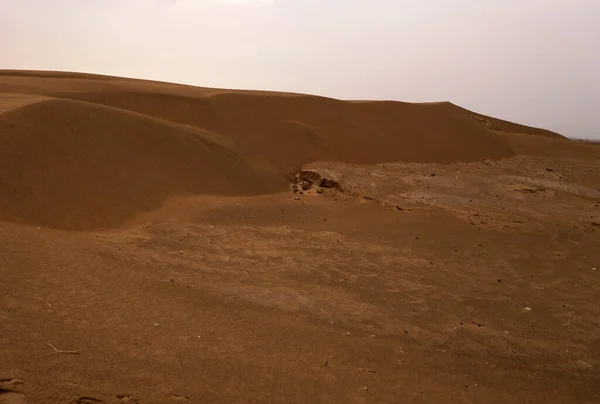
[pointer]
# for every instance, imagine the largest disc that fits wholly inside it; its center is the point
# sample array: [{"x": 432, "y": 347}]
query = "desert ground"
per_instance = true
[{"x": 165, "y": 243}]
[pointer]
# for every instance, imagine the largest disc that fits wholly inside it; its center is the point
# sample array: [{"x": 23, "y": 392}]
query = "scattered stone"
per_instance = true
[
  {"x": 526, "y": 310},
  {"x": 432, "y": 175}
]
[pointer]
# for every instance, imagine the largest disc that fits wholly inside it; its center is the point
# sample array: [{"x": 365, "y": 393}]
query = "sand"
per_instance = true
[{"x": 150, "y": 228}]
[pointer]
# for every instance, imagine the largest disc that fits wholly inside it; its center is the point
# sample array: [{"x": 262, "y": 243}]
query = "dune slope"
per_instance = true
[
  {"x": 102, "y": 149},
  {"x": 75, "y": 165}
]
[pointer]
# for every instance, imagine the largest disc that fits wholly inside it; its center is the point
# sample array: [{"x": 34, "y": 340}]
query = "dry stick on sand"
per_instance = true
[{"x": 63, "y": 352}]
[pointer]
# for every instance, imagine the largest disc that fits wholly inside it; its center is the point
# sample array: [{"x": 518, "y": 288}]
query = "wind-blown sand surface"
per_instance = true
[{"x": 150, "y": 228}]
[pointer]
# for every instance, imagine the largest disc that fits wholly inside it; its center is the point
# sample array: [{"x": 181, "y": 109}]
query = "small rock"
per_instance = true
[
  {"x": 180, "y": 252},
  {"x": 432, "y": 175},
  {"x": 526, "y": 310}
]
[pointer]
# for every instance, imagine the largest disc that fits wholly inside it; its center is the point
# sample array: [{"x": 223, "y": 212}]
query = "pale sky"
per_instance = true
[{"x": 536, "y": 62}]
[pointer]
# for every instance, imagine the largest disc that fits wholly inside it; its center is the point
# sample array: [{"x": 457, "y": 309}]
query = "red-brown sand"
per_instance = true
[{"x": 150, "y": 228}]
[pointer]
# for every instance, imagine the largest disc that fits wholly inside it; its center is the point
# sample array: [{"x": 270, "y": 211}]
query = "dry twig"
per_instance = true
[
  {"x": 587, "y": 365},
  {"x": 63, "y": 352}
]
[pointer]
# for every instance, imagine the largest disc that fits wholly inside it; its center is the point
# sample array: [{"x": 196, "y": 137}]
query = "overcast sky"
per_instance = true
[{"x": 532, "y": 61}]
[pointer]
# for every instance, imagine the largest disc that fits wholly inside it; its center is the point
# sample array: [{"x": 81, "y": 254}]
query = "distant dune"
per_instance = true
[{"x": 81, "y": 151}]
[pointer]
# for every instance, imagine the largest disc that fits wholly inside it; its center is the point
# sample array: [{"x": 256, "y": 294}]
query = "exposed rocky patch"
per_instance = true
[{"x": 317, "y": 179}]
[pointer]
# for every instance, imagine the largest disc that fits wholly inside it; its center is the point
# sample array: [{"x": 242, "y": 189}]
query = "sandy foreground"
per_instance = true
[{"x": 152, "y": 251}]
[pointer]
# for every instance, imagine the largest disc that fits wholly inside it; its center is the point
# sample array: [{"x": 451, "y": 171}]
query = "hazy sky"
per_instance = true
[{"x": 532, "y": 61}]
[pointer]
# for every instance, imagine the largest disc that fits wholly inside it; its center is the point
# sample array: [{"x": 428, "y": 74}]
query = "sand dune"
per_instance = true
[
  {"x": 103, "y": 149},
  {"x": 462, "y": 269},
  {"x": 13, "y": 101},
  {"x": 510, "y": 127},
  {"x": 75, "y": 165}
]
